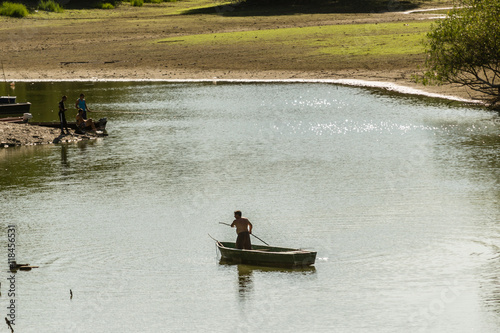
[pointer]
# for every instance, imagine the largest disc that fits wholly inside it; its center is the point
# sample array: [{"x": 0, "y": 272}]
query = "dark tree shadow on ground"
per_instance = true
[
  {"x": 290, "y": 7},
  {"x": 269, "y": 7}
]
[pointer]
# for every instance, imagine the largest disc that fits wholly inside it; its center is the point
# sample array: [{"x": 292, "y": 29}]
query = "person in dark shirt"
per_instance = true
[{"x": 62, "y": 115}]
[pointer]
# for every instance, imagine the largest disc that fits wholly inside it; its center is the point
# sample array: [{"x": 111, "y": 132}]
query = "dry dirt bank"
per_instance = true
[
  {"x": 26, "y": 134},
  {"x": 121, "y": 45}
]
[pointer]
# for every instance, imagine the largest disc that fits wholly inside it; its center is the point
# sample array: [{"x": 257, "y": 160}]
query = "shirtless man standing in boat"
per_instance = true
[{"x": 243, "y": 229}]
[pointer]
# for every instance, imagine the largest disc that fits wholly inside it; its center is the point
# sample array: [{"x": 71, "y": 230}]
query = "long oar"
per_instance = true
[{"x": 250, "y": 234}]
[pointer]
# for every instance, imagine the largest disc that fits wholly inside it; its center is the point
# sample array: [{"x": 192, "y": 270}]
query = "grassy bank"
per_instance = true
[{"x": 400, "y": 38}]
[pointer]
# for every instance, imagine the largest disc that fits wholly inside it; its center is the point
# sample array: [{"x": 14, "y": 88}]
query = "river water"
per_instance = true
[{"x": 398, "y": 195}]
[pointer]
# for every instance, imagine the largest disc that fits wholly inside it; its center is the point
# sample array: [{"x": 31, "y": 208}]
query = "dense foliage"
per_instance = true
[
  {"x": 50, "y": 6},
  {"x": 73, "y": 4},
  {"x": 464, "y": 48},
  {"x": 13, "y": 9},
  {"x": 105, "y": 5}
]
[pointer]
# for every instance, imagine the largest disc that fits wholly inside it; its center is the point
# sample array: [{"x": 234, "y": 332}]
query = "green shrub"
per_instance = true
[
  {"x": 154, "y": 1},
  {"x": 105, "y": 5},
  {"x": 50, "y": 6},
  {"x": 13, "y": 9},
  {"x": 137, "y": 3}
]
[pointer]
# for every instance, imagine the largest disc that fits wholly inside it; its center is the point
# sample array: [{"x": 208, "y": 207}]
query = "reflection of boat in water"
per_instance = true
[
  {"x": 245, "y": 274},
  {"x": 8, "y": 105},
  {"x": 262, "y": 255},
  {"x": 247, "y": 270}
]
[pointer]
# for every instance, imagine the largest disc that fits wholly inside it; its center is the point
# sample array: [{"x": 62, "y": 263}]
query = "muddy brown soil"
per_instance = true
[{"x": 25, "y": 134}]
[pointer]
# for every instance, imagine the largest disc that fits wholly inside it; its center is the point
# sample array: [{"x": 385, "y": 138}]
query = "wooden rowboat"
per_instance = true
[{"x": 266, "y": 255}]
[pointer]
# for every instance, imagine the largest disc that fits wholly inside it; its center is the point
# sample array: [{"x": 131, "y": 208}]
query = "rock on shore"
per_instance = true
[{"x": 26, "y": 134}]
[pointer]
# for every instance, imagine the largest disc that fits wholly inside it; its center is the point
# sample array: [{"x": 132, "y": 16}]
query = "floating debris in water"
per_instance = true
[
  {"x": 14, "y": 266},
  {"x": 8, "y": 324}
]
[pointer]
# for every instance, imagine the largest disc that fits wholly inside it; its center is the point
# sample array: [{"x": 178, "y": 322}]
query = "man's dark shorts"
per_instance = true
[{"x": 243, "y": 241}]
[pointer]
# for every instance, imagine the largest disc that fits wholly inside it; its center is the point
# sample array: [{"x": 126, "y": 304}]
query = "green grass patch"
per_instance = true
[
  {"x": 50, "y": 6},
  {"x": 13, "y": 9},
  {"x": 105, "y": 5},
  {"x": 373, "y": 39},
  {"x": 354, "y": 39},
  {"x": 137, "y": 3}
]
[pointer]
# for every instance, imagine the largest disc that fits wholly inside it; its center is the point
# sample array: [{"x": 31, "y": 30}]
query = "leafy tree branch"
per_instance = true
[{"x": 464, "y": 48}]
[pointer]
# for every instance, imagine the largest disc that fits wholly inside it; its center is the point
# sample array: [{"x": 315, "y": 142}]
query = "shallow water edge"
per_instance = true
[{"x": 389, "y": 86}]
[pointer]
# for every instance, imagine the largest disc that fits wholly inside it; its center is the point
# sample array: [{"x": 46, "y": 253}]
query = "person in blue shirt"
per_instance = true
[{"x": 81, "y": 104}]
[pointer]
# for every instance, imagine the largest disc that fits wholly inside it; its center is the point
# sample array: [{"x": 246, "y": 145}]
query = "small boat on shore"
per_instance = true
[
  {"x": 8, "y": 105},
  {"x": 13, "y": 120},
  {"x": 263, "y": 255},
  {"x": 17, "y": 120}
]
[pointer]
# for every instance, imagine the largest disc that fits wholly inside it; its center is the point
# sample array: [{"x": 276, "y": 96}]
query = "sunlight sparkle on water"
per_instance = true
[{"x": 399, "y": 196}]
